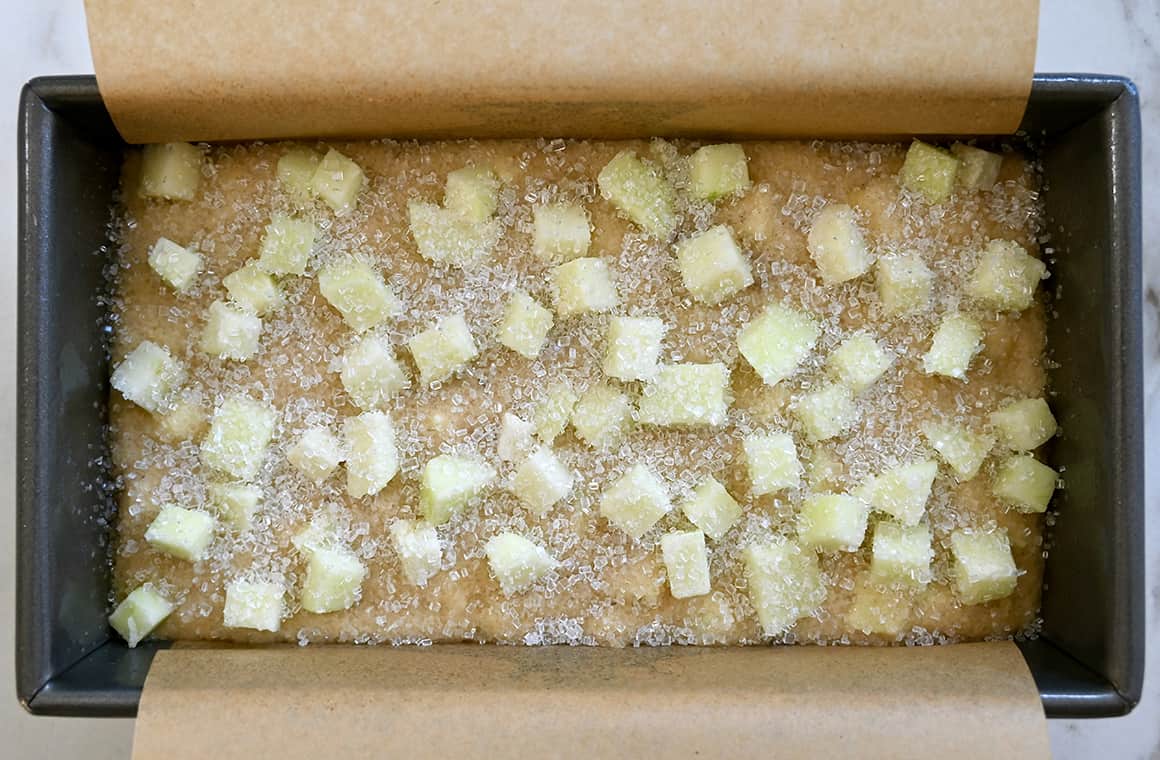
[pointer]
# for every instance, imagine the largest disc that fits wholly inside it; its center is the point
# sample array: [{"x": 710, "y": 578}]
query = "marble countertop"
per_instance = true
[{"x": 1105, "y": 36}]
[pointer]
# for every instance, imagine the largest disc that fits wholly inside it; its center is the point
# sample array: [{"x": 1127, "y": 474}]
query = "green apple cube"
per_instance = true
[
  {"x": 371, "y": 374},
  {"x": 686, "y": 563},
  {"x": 858, "y": 362},
  {"x": 837, "y": 244},
  {"x": 254, "y": 604},
  {"x": 978, "y": 168},
  {"x": 182, "y": 533},
  {"x": 149, "y": 377},
  {"x": 712, "y": 266},
  {"x": 287, "y": 244},
  {"x": 139, "y": 613},
  {"x": 235, "y": 503},
  {"x": 711, "y": 508},
  {"x": 417, "y": 545},
  {"x": 1025, "y": 424},
  {"x": 551, "y": 415},
  {"x": 635, "y": 501},
  {"x": 777, "y": 341},
  {"x": 716, "y": 171},
  {"x": 316, "y": 454},
  {"x": 785, "y": 583},
  {"x": 955, "y": 343},
  {"x": 445, "y": 237},
  {"x": 601, "y": 415},
  {"x": 333, "y": 580},
  {"x": 686, "y": 394},
  {"x": 633, "y": 347},
  {"x": 472, "y": 192},
  {"x": 561, "y": 232},
  {"x": 295, "y": 169},
  {"x": 832, "y": 522},
  {"x": 827, "y": 412},
  {"x": 901, "y": 554},
  {"x": 239, "y": 433},
  {"x": 904, "y": 284},
  {"x": 929, "y": 171},
  {"x": 640, "y": 192},
  {"x": 773, "y": 463},
  {"x": 231, "y": 332},
  {"x": 583, "y": 285},
  {"x": 443, "y": 349},
  {"x": 963, "y": 450},
  {"x": 372, "y": 457},
  {"x": 337, "y": 181},
  {"x": 541, "y": 481},
  {"x": 359, "y": 293},
  {"x": 253, "y": 289},
  {"x": 983, "y": 566},
  {"x": 1006, "y": 276},
  {"x": 171, "y": 171},
  {"x": 516, "y": 562},
  {"x": 516, "y": 438},
  {"x": 449, "y": 483},
  {"x": 177, "y": 265},
  {"x": 1025, "y": 483},
  {"x": 525, "y": 325},
  {"x": 185, "y": 419},
  {"x": 902, "y": 491}
]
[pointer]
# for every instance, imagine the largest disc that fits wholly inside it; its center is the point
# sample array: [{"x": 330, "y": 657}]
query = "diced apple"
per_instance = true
[
  {"x": 640, "y": 192},
  {"x": 239, "y": 433},
  {"x": 778, "y": 341},
  {"x": 371, "y": 374},
  {"x": 517, "y": 562},
  {"x": 443, "y": 349},
  {"x": 633, "y": 347},
  {"x": 561, "y": 232},
  {"x": 955, "y": 343},
  {"x": 337, "y": 181},
  {"x": 171, "y": 171},
  {"x": 902, "y": 491},
  {"x": 254, "y": 604},
  {"x": 984, "y": 569},
  {"x": 295, "y": 169},
  {"x": 149, "y": 377},
  {"x": 962, "y": 449},
  {"x": 516, "y": 438},
  {"x": 542, "y": 480},
  {"x": 551, "y": 415},
  {"x": 601, "y": 415},
  {"x": 901, "y": 554},
  {"x": 417, "y": 545},
  {"x": 858, "y": 362},
  {"x": 772, "y": 461},
  {"x": 372, "y": 458},
  {"x": 1025, "y": 424},
  {"x": 177, "y": 265},
  {"x": 711, "y": 508},
  {"x": 686, "y": 394},
  {"x": 445, "y": 237},
  {"x": 472, "y": 192},
  {"x": 712, "y": 266},
  {"x": 333, "y": 580},
  {"x": 235, "y": 503},
  {"x": 525, "y": 325},
  {"x": 716, "y": 171},
  {"x": 832, "y": 522},
  {"x": 1025, "y": 483},
  {"x": 253, "y": 289},
  {"x": 1006, "y": 276},
  {"x": 686, "y": 563},
  {"x": 785, "y": 583},
  {"x": 449, "y": 483},
  {"x": 359, "y": 293},
  {"x": 582, "y": 285},
  {"x": 904, "y": 284},
  {"x": 182, "y": 533},
  {"x": 316, "y": 454},
  {"x": 978, "y": 168},
  {"x": 287, "y": 245},
  {"x": 635, "y": 501},
  {"x": 185, "y": 420},
  {"x": 836, "y": 243},
  {"x": 139, "y": 613},
  {"x": 929, "y": 171},
  {"x": 231, "y": 332},
  {"x": 827, "y": 412}
]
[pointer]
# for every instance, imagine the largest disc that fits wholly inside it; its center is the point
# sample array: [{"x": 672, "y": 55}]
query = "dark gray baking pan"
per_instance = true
[{"x": 1089, "y": 660}]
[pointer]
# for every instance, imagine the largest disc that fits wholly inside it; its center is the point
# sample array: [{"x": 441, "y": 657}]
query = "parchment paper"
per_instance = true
[{"x": 236, "y": 69}]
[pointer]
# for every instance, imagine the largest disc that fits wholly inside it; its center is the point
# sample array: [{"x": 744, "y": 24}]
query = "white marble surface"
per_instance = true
[{"x": 1115, "y": 37}]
